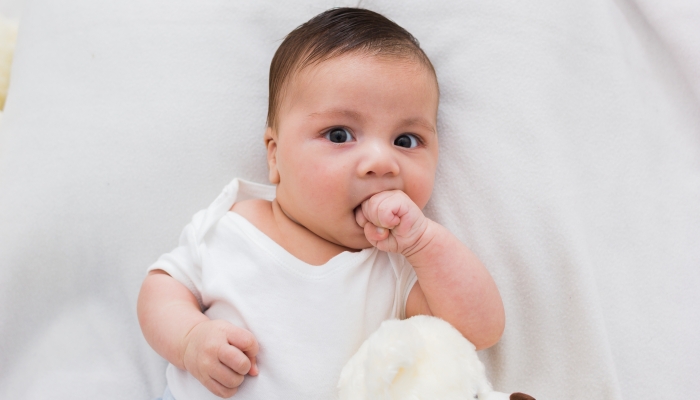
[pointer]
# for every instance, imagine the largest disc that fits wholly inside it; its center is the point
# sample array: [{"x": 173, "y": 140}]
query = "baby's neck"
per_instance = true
[{"x": 296, "y": 239}]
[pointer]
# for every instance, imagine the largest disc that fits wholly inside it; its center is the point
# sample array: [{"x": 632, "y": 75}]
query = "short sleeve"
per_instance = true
[
  {"x": 184, "y": 263},
  {"x": 405, "y": 279}
]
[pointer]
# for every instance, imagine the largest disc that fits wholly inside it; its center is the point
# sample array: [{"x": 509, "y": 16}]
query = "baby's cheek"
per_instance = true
[
  {"x": 323, "y": 194},
  {"x": 419, "y": 190}
]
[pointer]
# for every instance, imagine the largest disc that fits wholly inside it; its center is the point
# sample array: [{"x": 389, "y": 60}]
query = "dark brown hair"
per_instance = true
[{"x": 333, "y": 33}]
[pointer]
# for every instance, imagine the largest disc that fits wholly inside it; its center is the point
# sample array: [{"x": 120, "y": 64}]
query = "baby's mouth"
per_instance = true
[
  {"x": 369, "y": 196},
  {"x": 358, "y": 208},
  {"x": 374, "y": 191},
  {"x": 354, "y": 214},
  {"x": 365, "y": 199}
]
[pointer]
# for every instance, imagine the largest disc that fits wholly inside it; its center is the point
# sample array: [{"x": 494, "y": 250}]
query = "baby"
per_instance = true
[{"x": 274, "y": 288}]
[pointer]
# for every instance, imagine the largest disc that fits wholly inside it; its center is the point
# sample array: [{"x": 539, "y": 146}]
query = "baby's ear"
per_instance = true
[{"x": 271, "y": 145}]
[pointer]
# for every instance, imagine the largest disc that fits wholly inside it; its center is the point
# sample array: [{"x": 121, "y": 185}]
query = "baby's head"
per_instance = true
[{"x": 352, "y": 112}]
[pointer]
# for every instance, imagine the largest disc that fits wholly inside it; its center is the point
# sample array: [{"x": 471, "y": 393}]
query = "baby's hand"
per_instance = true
[
  {"x": 219, "y": 354},
  {"x": 392, "y": 222}
]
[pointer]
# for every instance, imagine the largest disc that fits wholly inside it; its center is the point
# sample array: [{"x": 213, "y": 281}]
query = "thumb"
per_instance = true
[
  {"x": 243, "y": 340},
  {"x": 375, "y": 233},
  {"x": 254, "y": 367}
]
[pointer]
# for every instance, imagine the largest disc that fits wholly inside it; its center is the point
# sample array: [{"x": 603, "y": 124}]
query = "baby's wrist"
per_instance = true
[
  {"x": 186, "y": 342},
  {"x": 424, "y": 242}
]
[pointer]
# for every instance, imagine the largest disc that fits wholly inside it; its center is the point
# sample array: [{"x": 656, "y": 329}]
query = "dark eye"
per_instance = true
[
  {"x": 339, "y": 135},
  {"x": 407, "y": 141}
]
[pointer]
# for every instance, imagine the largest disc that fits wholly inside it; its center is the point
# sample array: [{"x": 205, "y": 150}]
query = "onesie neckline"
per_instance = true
[{"x": 293, "y": 264}]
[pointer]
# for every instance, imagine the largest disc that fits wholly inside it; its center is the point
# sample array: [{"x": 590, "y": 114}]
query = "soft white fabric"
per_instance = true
[
  {"x": 421, "y": 357},
  {"x": 303, "y": 316},
  {"x": 570, "y": 164},
  {"x": 11, "y": 9}
]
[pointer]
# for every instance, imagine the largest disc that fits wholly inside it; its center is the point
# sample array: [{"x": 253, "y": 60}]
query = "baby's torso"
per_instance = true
[{"x": 308, "y": 320}]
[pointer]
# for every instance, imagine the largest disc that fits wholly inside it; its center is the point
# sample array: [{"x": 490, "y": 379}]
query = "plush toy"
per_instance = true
[
  {"x": 8, "y": 36},
  {"x": 418, "y": 358}
]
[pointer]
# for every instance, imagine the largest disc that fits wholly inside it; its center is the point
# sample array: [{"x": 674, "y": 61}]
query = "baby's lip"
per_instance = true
[
  {"x": 366, "y": 198},
  {"x": 369, "y": 196},
  {"x": 375, "y": 186},
  {"x": 372, "y": 194}
]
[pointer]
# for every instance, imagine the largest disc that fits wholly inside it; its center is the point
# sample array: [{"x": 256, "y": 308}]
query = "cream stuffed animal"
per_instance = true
[
  {"x": 418, "y": 358},
  {"x": 8, "y": 37}
]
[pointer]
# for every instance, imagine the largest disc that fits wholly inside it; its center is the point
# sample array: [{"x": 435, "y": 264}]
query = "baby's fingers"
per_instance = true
[
  {"x": 253, "y": 367},
  {"x": 243, "y": 341},
  {"x": 226, "y": 378},
  {"x": 234, "y": 359},
  {"x": 360, "y": 216},
  {"x": 384, "y": 209},
  {"x": 375, "y": 233},
  {"x": 219, "y": 389}
]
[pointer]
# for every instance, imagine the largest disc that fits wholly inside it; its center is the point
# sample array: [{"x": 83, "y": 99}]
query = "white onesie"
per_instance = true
[{"x": 308, "y": 320}]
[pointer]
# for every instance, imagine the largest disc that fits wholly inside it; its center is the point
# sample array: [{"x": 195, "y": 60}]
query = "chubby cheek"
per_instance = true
[
  {"x": 420, "y": 186},
  {"x": 319, "y": 184}
]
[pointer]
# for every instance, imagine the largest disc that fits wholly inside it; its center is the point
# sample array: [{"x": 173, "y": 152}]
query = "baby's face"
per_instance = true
[{"x": 348, "y": 128}]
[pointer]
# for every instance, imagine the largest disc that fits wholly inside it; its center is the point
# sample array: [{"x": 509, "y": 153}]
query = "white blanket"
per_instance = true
[{"x": 570, "y": 163}]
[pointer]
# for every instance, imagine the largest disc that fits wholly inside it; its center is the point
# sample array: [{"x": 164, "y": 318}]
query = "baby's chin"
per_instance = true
[
  {"x": 358, "y": 244},
  {"x": 354, "y": 241}
]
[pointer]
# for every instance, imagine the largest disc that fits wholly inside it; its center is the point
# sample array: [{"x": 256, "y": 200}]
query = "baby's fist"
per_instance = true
[
  {"x": 392, "y": 222},
  {"x": 219, "y": 354}
]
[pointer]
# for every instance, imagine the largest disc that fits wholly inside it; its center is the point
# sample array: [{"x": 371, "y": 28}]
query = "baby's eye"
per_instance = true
[
  {"x": 339, "y": 135},
  {"x": 406, "y": 140}
]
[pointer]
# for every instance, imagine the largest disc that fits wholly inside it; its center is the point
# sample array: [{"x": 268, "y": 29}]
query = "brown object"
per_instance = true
[{"x": 521, "y": 396}]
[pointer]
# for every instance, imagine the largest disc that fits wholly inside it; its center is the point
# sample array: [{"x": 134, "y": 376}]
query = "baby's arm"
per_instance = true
[
  {"x": 452, "y": 282},
  {"x": 215, "y": 352}
]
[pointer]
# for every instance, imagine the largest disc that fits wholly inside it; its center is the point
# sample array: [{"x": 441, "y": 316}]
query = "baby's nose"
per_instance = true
[{"x": 377, "y": 160}]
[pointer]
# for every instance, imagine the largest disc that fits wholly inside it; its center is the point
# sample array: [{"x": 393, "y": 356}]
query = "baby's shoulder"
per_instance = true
[
  {"x": 252, "y": 208},
  {"x": 256, "y": 211}
]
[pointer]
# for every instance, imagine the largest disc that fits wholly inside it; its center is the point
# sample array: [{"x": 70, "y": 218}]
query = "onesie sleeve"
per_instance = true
[
  {"x": 409, "y": 278},
  {"x": 184, "y": 263},
  {"x": 405, "y": 279}
]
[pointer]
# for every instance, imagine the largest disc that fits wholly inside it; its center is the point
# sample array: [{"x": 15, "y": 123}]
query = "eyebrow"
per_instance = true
[
  {"x": 355, "y": 115},
  {"x": 419, "y": 121},
  {"x": 333, "y": 111}
]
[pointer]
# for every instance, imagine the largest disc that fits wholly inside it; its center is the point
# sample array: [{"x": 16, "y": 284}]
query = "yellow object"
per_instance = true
[{"x": 8, "y": 37}]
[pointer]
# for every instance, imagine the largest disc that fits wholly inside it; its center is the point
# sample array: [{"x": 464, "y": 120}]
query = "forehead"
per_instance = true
[
  {"x": 363, "y": 80},
  {"x": 356, "y": 59}
]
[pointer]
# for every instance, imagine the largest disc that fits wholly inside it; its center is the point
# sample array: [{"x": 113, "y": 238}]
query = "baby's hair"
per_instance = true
[{"x": 333, "y": 33}]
